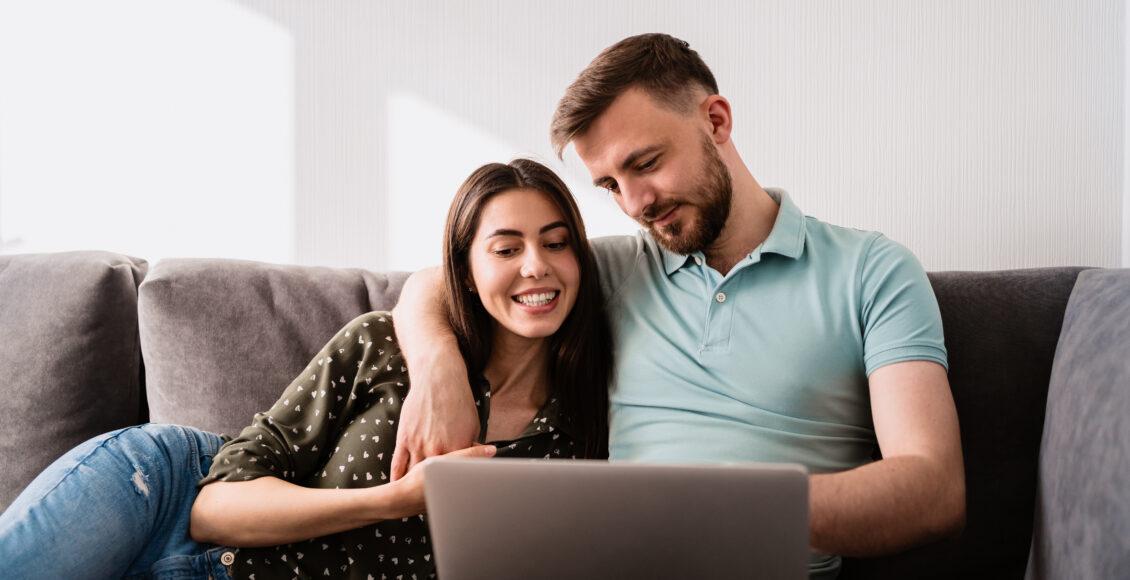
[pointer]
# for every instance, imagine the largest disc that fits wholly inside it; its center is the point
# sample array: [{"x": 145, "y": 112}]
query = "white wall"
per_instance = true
[
  {"x": 983, "y": 135},
  {"x": 150, "y": 128}
]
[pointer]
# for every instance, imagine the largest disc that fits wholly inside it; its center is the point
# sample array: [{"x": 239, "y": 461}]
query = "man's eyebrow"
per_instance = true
[
  {"x": 629, "y": 161},
  {"x": 516, "y": 233}
]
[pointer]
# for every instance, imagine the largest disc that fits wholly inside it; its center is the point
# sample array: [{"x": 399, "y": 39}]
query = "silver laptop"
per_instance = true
[{"x": 533, "y": 518}]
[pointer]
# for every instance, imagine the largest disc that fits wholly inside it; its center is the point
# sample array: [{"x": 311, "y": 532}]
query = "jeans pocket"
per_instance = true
[{"x": 180, "y": 568}]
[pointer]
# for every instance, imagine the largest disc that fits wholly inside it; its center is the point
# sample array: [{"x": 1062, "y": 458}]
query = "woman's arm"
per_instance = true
[
  {"x": 292, "y": 441},
  {"x": 280, "y": 512},
  {"x": 269, "y": 511},
  {"x": 439, "y": 414}
]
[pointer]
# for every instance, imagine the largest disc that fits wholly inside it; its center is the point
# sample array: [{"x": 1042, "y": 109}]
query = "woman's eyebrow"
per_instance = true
[
  {"x": 516, "y": 233},
  {"x": 553, "y": 226}
]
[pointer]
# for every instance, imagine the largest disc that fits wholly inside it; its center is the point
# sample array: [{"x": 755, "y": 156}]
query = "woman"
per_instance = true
[{"x": 303, "y": 491}]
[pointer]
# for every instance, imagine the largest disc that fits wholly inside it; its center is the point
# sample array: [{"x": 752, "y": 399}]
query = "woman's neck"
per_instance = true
[{"x": 518, "y": 369}]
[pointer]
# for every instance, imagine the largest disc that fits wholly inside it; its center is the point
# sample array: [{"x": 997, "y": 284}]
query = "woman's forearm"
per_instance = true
[{"x": 269, "y": 511}]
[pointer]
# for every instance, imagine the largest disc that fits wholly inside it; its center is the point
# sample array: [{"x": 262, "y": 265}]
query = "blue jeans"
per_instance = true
[{"x": 116, "y": 506}]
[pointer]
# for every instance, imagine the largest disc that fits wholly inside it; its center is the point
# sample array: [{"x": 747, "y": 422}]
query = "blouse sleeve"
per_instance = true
[{"x": 294, "y": 437}]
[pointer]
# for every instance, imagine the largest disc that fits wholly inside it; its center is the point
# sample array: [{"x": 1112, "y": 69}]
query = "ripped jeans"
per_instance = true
[{"x": 116, "y": 506}]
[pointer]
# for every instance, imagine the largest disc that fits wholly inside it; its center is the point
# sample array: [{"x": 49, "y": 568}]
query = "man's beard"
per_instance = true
[{"x": 711, "y": 197}]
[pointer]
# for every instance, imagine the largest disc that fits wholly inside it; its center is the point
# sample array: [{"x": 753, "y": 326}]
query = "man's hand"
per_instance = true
[
  {"x": 439, "y": 413},
  {"x": 408, "y": 493},
  {"x": 434, "y": 420}
]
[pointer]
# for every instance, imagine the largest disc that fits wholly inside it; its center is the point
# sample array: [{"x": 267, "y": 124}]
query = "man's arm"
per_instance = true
[
  {"x": 438, "y": 416},
  {"x": 916, "y": 493}
]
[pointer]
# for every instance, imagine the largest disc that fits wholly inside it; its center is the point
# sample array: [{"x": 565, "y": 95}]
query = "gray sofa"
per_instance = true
[{"x": 1040, "y": 370}]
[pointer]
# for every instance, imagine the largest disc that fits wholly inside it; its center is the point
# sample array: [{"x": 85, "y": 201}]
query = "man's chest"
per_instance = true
[{"x": 777, "y": 345}]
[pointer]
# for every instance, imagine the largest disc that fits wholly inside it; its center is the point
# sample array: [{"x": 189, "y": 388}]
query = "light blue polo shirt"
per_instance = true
[{"x": 770, "y": 362}]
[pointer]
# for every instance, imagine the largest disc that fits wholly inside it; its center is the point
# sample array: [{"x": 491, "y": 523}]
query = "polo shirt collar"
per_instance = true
[{"x": 786, "y": 238}]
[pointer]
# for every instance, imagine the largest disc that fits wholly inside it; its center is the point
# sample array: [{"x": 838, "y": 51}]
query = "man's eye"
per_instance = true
[
  {"x": 647, "y": 165},
  {"x": 612, "y": 187}
]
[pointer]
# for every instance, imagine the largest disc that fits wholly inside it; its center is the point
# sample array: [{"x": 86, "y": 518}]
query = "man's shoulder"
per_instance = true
[
  {"x": 618, "y": 246},
  {"x": 618, "y": 258},
  {"x": 845, "y": 241}
]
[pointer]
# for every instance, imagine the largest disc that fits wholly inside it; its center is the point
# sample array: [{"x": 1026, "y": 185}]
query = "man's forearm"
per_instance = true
[
  {"x": 422, "y": 328},
  {"x": 885, "y": 506},
  {"x": 439, "y": 414}
]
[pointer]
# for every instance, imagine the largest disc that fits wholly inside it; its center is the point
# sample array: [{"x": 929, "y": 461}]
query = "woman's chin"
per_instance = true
[{"x": 532, "y": 330}]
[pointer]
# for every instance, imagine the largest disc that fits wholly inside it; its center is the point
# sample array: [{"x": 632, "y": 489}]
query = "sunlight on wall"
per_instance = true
[
  {"x": 430, "y": 153},
  {"x": 156, "y": 129}
]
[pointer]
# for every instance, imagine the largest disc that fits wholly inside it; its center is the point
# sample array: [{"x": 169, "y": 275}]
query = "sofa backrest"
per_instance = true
[
  {"x": 222, "y": 338},
  {"x": 70, "y": 356},
  {"x": 1001, "y": 332},
  {"x": 1082, "y": 527}
]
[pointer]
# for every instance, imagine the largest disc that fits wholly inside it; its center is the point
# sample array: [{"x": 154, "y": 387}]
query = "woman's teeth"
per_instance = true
[{"x": 540, "y": 299}]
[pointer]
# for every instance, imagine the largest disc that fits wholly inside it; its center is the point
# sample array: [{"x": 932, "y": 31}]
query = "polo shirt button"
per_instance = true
[
  {"x": 227, "y": 558},
  {"x": 720, "y": 297},
  {"x": 698, "y": 260}
]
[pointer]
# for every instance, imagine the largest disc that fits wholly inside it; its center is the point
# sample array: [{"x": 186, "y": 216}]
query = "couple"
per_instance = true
[{"x": 743, "y": 331}]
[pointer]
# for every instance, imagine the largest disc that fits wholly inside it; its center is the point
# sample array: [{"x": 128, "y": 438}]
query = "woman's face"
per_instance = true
[{"x": 523, "y": 268}]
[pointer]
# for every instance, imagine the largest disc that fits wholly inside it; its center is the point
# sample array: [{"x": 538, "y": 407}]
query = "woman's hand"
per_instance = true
[{"x": 407, "y": 493}]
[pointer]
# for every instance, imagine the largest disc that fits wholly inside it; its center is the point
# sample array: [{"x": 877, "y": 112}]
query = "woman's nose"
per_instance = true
[{"x": 534, "y": 265}]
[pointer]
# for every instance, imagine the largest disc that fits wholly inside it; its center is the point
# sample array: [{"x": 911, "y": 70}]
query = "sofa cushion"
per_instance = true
[
  {"x": 69, "y": 348},
  {"x": 1082, "y": 527},
  {"x": 223, "y": 338},
  {"x": 1001, "y": 332}
]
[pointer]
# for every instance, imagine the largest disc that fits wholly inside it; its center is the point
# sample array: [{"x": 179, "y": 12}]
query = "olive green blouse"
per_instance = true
[{"x": 335, "y": 427}]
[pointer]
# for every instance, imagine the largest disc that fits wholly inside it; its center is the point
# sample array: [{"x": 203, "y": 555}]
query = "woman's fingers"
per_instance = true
[
  {"x": 476, "y": 450},
  {"x": 401, "y": 457}
]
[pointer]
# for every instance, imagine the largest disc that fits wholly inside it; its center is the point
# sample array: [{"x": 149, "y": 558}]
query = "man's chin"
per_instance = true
[{"x": 678, "y": 244}]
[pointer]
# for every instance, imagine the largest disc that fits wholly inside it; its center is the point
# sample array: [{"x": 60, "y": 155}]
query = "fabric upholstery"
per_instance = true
[
  {"x": 1001, "y": 332},
  {"x": 70, "y": 356},
  {"x": 1082, "y": 527},
  {"x": 223, "y": 338}
]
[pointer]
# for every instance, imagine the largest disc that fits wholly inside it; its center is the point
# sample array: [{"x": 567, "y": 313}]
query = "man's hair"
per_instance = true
[{"x": 662, "y": 65}]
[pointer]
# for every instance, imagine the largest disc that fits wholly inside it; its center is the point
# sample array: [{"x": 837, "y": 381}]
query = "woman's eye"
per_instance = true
[
  {"x": 504, "y": 252},
  {"x": 557, "y": 245}
]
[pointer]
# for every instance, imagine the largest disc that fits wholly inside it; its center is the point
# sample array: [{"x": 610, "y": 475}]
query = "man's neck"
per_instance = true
[{"x": 752, "y": 214}]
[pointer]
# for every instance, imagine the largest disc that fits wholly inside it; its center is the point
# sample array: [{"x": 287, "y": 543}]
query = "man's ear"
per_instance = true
[{"x": 719, "y": 115}]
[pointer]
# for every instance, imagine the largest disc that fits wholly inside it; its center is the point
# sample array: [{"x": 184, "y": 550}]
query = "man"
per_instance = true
[{"x": 744, "y": 331}]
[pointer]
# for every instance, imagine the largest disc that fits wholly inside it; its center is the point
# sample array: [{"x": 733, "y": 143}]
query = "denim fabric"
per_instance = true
[{"x": 116, "y": 506}]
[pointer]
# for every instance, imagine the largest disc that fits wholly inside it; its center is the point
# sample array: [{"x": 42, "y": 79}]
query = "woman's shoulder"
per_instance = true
[{"x": 375, "y": 326}]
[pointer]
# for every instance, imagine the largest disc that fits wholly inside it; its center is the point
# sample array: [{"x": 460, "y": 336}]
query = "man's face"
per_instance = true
[{"x": 662, "y": 168}]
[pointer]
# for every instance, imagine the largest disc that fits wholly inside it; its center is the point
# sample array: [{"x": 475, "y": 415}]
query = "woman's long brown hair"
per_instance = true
[{"x": 580, "y": 351}]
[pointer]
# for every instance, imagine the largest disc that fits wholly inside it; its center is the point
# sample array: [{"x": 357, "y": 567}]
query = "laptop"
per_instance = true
[{"x": 535, "y": 518}]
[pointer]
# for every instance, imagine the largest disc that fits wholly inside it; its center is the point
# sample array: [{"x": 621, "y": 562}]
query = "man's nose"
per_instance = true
[
  {"x": 635, "y": 199},
  {"x": 534, "y": 264}
]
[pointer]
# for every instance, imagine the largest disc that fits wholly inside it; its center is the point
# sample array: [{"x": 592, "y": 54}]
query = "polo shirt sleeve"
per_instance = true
[
  {"x": 294, "y": 437},
  {"x": 899, "y": 313},
  {"x": 616, "y": 259}
]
